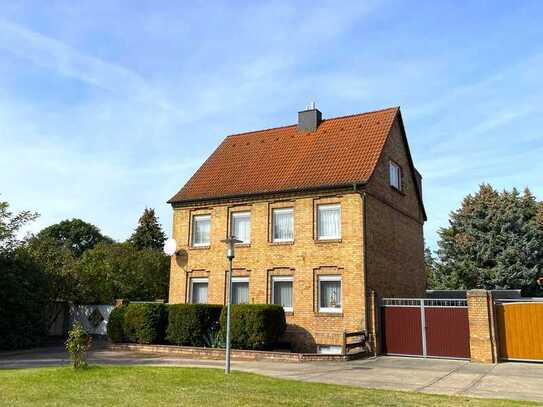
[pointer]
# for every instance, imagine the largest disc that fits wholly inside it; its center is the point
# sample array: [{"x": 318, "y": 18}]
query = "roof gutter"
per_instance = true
[{"x": 354, "y": 185}]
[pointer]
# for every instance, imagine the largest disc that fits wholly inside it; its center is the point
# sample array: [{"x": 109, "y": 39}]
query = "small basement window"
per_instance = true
[
  {"x": 395, "y": 175},
  {"x": 329, "y": 349}
]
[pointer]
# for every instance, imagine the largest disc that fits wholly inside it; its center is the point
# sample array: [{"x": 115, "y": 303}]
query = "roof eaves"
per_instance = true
[{"x": 353, "y": 184}]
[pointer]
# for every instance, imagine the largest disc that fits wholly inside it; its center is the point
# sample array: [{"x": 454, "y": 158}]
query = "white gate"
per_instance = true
[{"x": 93, "y": 317}]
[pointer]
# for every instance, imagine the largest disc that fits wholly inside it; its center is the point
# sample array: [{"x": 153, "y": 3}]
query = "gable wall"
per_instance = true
[{"x": 395, "y": 245}]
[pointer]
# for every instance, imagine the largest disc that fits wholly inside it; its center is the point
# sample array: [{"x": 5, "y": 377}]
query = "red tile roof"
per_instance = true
[{"x": 342, "y": 151}]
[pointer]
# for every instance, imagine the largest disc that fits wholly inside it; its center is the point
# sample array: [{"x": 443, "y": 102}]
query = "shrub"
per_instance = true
[
  {"x": 77, "y": 345},
  {"x": 115, "y": 324},
  {"x": 23, "y": 301},
  {"x": 145, "y": 323},
  {"x": 254, "y": 326},
  {"x": 193, "y": 324}
]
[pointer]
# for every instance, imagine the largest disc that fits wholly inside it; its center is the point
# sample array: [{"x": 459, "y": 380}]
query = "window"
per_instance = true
[
  {"x": 329, "y": 350},
  {"x": 395, "y": 175},
  {"x": 282, "y": 292},
  {"x": 329, "y": 222},
  {"x": 329, "y": 293},
  {"x": 198, "y": 290},
  {"x": 283, "y": 225},
  {"x": 201, "y": 226},
  {"x": 241, "y": 226},
  {"x": 240, "y": 290}
]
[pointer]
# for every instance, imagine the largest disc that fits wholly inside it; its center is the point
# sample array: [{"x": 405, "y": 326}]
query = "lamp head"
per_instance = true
[{"x": 230, "y": 243}]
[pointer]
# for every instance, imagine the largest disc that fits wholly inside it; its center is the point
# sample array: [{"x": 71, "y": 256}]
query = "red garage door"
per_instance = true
[{"x": 424, "y": 327}]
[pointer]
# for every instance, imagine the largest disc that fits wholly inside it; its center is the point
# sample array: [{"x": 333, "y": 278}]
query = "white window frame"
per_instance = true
[
  {"x": 278, "y": 279},
  {"x": 194, "y": 218},
  {"x": 319, "y": 236},
  {"x": 238, "y": 213},
  {"x": 284, "y": 210},
  {"x": 392, "y": 166},
  {"x": 198, "y": 280},
  {"x": 329, "y": 349},
  {"x": 330, "y": 278},
  {"x": 241, "y": 280}
]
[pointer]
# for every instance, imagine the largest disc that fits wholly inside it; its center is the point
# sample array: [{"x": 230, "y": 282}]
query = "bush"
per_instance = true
[
  {"x": 115, "y": 324},
  {"x": 77, "y": 345},
  {"x": 254, "y": 326},
  {"x": 23, "y": 301},
  {"x": 145, "y": 323},
  {"x": 193, "y": 324}
]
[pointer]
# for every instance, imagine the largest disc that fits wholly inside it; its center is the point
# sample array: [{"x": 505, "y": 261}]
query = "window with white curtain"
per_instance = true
[
  {"x": 283, "y": 224},
  {"x": 330, "y": 293},
  {"x": 282, "y": 292},
  {"x": 395, "y": 175},
  {"x": 201, "y": 227},
  {"x": 329, "y": 222},
  {"x": 198, "y": 290},
  {"x": 240, "y": 290},
  {"x": 241, "y": 226}
]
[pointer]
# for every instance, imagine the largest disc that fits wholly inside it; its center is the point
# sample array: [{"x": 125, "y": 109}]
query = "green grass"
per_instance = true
[{"x": 174, "y": 386}]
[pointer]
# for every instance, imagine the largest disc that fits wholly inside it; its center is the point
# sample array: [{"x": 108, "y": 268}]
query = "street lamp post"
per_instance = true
[{"x": 230, "y": 242}]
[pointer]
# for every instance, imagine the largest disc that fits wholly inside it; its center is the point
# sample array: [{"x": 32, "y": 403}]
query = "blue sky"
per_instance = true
[{"x": 108, "y": 107}]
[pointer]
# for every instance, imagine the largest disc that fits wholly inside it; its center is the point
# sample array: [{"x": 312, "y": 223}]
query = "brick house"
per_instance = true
[{"x": 328, "y": 211}]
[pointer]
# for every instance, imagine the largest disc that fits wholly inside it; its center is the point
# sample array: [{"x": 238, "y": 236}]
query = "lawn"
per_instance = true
[{"x": 172, "y": 386}]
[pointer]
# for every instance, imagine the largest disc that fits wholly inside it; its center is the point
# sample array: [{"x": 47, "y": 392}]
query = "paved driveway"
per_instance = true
[{"x": 521, "y": 381}]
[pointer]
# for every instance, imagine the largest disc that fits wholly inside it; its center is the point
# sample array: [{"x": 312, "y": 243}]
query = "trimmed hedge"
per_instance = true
[
  {"x": 145, "y": 323},
  {"x": 193, "y": 324},
  {"x": 115, "y": 324},
  {"x": 254, "y": 326}
]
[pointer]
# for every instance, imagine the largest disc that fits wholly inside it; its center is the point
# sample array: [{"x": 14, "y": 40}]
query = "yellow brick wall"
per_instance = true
[
  {"x": 304, "y": 259},
  {"x": 480, "y": 327},
  {"x": 395, "y": 242}
]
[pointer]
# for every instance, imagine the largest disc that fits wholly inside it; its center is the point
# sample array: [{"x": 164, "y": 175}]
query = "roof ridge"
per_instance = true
[
  {"x": 324, "y": 120},
  {"x": 261, "y": 130}
]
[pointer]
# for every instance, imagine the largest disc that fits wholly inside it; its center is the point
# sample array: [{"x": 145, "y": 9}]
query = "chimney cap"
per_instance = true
[{"x": 310, "y": 106}]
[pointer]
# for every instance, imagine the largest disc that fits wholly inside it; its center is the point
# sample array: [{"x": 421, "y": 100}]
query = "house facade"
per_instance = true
[{"x": 328, "y": 212}]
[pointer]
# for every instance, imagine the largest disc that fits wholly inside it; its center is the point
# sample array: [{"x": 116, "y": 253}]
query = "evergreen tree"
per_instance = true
[
  {"x": 149, "y": 233},
  {"x": 495, "y": 240},
  {"x": 431, "y": 269}
]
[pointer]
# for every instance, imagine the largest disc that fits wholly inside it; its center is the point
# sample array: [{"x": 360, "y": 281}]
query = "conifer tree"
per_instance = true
[
  {"x": 494, "y": 240},
  {"x": 149, "y": 233}
]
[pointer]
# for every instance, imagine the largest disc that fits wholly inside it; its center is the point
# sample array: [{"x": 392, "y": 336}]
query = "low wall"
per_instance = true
[{"x": 192, "y": 352}]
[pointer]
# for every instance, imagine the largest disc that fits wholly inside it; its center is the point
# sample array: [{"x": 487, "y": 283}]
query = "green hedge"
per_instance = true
[
  {"x": 145, "y": 323},
  {"x": 254, "y": 326},
  {"x": 115, "y": 324},
  {"x": 23, "y": 301},
  {"x": 193, "y": 324}
]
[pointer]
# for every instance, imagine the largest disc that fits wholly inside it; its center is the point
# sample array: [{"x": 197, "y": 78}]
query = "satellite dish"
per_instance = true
[{"x": 170, "y": 247}]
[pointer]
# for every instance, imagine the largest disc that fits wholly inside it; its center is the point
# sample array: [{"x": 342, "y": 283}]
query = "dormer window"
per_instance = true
[{"x": 395, "y": 175}]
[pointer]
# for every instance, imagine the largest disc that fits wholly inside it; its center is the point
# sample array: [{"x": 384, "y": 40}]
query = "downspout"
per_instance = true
[{"x": 363, "y": 195}]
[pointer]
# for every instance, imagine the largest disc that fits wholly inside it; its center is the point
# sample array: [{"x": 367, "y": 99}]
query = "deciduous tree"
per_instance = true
[{"x": 75, "y": 234}]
